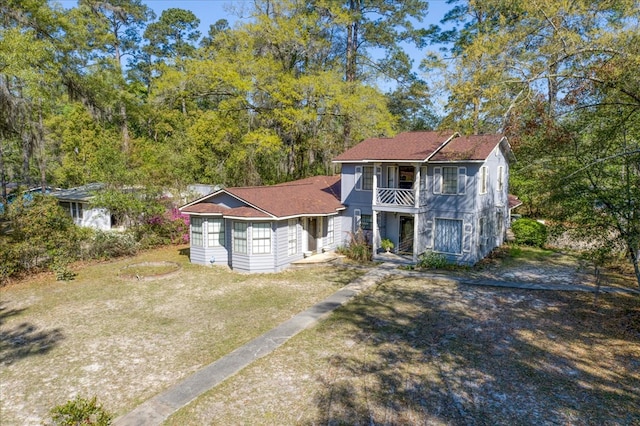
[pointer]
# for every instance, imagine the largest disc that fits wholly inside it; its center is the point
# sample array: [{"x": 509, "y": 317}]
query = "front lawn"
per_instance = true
[
  {"x": 126, "y": 340},
  {"x": 415, "y": 351}
]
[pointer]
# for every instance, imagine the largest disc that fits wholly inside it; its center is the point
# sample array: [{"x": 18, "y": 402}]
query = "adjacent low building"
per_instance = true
[{"x": 77, "y": 203}]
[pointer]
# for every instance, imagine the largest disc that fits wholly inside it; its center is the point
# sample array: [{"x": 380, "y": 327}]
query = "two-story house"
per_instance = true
[
  {"x": 422, "y": 190},
  {"x": 429, "y": 191}
]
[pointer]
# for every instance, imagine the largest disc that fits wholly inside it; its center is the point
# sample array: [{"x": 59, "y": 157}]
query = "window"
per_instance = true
[
  {"x": 330, "y": 230},
  {"x": 449, "y": 180},
  {"x": 77, "y": 212},
  {"x": 215, "y": 232},
  {"x": 261, "y": 238},
  {"x": 448, "y": 236},
  {"x": 483, "y": 179},
  {"x": 500, "y": 178},
  {"x": 364, "y": 177},
  {"x": 196, "y": 232},
  {"x": 240, "y": 237},
  {"x": 367, "y": 178},
  {"x": 293, "y": 236},
  {"x": 366, "y": 222}
]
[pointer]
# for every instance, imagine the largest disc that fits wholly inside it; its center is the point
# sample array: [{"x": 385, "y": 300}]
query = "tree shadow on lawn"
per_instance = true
[
  {"x": 467, "y": 355},
  {"x": 24, "y": 339}
]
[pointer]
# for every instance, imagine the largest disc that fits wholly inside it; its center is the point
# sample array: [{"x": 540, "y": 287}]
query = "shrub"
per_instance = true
[
  {"x": 358, "y": 248},
  {"x": 431, "y": 260},
  {"x": 529, "y": 232},
  {"x": 80, "y": 411},
  {"x": 108, "y": 244}
]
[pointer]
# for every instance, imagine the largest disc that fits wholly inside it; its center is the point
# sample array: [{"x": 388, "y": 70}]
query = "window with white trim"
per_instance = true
[
  {"x": 215, "y": 232},
  {"x": 330, "y": 230},
  {"x": 196, "y": 231},
  {"x": 500, "y": 178},
  {"x": 293, "y": 237},
  {"x": 449, "y": 180},
  {"x": 483, "y": 179},
  {"x": 76, "y": 212},
  {"x": 240, "y": 237},
  {"x": 364, "y": 177},
  {"x": 261, "y": 238}
]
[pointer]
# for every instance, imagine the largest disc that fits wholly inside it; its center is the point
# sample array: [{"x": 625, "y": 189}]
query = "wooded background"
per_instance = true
[{"x": 107, "y": 91}]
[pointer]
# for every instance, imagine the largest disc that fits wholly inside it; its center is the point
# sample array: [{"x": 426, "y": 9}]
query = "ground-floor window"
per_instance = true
[
  {"x": 293, "y": 237},
  {"x": 240, "y": 237},
  {"x": 261, "y": 238},
  {"x": 448, "y": 236},
  {"x": 74, "y": 209},
  {"x": 196, "y": 232},
  {"x": 330, "y": 230},
  {"x": 366, "y": 222},
  {"x": 215, "y": 232}
]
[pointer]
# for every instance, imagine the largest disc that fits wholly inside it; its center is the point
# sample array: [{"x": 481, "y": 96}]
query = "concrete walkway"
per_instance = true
[{"x": 156, "y": 410}]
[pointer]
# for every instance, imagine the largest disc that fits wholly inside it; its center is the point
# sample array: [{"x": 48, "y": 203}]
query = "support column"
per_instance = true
[
  {"x": 416, "y": 238},
  {"x": 416, "y": 186},
  {"x": 376, "y": 232}
]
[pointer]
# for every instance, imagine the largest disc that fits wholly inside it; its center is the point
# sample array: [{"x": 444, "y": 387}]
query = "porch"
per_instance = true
[
  {"x": 394, "y": 258},
  {"x": 395, "y": 197}
]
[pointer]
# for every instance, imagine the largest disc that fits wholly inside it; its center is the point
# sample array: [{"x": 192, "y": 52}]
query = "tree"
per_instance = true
[
  {"x": 570, "y": 101},
  {"x": 116, "y": 26}
]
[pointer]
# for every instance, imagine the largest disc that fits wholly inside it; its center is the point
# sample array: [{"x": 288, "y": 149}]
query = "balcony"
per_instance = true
[{"x": 395, "y": 197}]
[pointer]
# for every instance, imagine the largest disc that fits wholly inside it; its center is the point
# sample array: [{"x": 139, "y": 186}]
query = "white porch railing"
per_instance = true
[{"x": 396, "y": 197}]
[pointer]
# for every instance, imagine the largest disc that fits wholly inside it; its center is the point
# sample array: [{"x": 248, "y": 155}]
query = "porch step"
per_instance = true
[{"x": 319, "y": 259}]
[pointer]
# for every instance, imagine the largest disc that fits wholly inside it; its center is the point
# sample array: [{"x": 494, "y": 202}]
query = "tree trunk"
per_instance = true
[
  {"x": 125, "y": 128},
  {"x": 352, "y": 41},
  {"x": 635, "y": 258},
  {"x": 3, "y": 173}
]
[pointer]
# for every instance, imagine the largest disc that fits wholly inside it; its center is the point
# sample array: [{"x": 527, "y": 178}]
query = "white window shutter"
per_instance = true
[
  {"x": 357, "y": 218},
  {"x": 428, "y": 234},
  {"x": 466, "y": 243},
  {"x": 437, "y": 180},
  {"x": 358, "y": 177},
  {"x": 462, "y": 180}
]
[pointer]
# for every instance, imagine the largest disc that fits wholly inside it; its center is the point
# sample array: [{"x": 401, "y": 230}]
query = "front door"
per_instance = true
[
  {"x": 406, "y": 235},
  {"x": 312, "y": 231}
]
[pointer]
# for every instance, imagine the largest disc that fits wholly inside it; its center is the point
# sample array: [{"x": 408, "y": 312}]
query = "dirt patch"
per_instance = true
[
  {"x": 148, "y": 271},
  {"x": 125, "y": 341}
]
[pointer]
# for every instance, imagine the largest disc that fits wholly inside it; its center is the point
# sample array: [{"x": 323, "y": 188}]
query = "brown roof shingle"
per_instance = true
[
  {"x": 408, "y": 146},
  {"x": 477, "y": 147},
  {"x": 318, "y": 195}
]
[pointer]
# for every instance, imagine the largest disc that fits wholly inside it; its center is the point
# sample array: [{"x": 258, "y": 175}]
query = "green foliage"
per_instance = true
[
  {"x": 42, "y": 232},
  {"x": 386, "y": 244},
  {"x": 431, "y": 260},
  {"x": 80, "y": 411},
  {"x": 109, "y": 244},
  {"x": 131, "y": 207},
  {"x": 357, "y": 248},
  {"x": 529, "y": 232}
]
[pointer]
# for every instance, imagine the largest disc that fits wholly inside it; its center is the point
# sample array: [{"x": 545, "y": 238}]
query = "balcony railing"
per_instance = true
[{"x": 396, "y": 197}]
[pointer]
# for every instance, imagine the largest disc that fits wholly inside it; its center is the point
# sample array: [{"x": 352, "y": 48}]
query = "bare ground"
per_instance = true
[
  {"x": 124, "y": 341},
  {"x": 423, "y": 352},
  {"x": 411, "y": 351}
]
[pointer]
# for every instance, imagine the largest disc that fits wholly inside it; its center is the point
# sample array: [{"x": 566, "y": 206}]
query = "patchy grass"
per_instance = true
[
  {"x": 415, "y": 351},
  {"x": 125, "y": 341}
]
